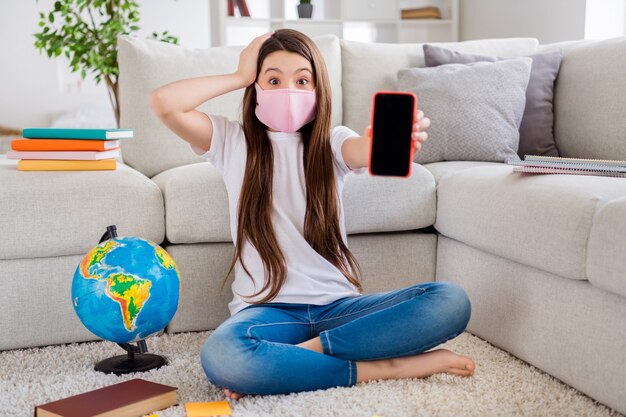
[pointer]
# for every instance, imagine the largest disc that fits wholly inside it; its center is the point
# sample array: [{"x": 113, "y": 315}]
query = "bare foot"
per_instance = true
[
  {"x": 432, "y": 362},
  {"x": 233, "y": 395}
]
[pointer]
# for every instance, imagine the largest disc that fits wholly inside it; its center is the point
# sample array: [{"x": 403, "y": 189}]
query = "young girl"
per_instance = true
[{"x": 298, "y": 319}]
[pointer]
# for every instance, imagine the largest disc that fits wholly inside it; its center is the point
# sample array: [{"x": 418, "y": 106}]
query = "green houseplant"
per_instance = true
[{"x": 86, "y": 32}]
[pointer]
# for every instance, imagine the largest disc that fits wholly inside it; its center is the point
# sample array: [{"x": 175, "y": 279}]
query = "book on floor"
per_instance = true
[
  {"x": 133, "y": 398},
  {"x": 68, "y": 133},
  {"x": 64, "y": 155},
  {"x": 533, "y": 164},
  {"x": 62, "y": 165},
  {"x": 63, "y": 145}
]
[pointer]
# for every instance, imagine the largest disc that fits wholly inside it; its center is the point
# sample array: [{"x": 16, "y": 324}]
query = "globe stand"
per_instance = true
[{"x": 137, "y": 359}]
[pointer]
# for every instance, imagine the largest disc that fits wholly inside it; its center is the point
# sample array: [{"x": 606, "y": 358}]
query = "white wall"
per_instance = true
[
  {"x": 547, "y": 20},
  {"x": 605, "y": 19},
  {"x": 35, "y": 89}
]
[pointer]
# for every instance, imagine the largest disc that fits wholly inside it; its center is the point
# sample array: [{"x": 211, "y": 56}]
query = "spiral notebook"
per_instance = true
[{"x": 534, "y": 164}]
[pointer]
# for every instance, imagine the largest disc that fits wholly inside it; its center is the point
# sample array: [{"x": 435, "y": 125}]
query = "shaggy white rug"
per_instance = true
[{"x": 502, "y": 385}]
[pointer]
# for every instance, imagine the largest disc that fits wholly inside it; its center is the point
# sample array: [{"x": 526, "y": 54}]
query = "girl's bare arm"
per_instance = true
[{"x": 175, "y": 103}]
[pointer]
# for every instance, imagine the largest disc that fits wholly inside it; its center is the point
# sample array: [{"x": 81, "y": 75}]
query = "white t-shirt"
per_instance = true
[{"x": 311, "y": 278}]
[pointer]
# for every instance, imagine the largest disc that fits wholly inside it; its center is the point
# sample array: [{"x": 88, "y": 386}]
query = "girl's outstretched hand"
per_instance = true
[
  {"x": 419, "y": 134},
  {"x": 248, "y": 58}
]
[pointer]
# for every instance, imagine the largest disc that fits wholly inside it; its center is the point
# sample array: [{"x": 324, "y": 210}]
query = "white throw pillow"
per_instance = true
[{"x": 476, "y": 109}]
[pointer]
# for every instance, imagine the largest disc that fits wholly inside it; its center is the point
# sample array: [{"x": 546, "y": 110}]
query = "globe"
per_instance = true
[{"x": 126, "y": 289}]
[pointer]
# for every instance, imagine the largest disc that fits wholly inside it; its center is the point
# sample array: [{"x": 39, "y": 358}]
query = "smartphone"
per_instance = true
[{"x": 391, "y": 145}]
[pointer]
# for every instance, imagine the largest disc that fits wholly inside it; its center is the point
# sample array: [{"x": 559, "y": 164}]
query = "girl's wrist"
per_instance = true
[{"x": 242, "y": 80}]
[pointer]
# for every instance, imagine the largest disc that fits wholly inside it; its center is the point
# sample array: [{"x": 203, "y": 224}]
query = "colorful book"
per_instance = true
[
  {"x": 577, "y": 166},
  {"x": 133, "y": 398},
  {"x": 63, "y": 145},
  {"x": 539, "y": 158},
  {"x": 60, "y": 165},
  {"x": 571, "y": 171},
  {"x": 62, "y": 133},
  {"x": 590, "y": 167},
  {"x": 64, "y": 155}
]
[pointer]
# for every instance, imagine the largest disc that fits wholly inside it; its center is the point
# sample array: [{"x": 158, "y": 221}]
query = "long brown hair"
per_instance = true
[{"x": 254, "y": 212}]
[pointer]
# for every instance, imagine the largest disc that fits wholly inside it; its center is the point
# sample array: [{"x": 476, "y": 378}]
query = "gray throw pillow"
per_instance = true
[
  {"x": 536, "y": 130},
  {"x": 475, "y": 109}
]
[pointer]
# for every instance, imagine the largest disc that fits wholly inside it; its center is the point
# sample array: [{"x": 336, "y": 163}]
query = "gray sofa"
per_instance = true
[{"x": 541, "y": 257}]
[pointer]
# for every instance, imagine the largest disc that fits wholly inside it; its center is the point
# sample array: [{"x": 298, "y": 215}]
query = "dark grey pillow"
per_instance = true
[{"x": 536, "y": 130}]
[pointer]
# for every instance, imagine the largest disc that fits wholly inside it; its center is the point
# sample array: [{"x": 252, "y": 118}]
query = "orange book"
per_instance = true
[
  {"x": 63, "y": 145},
  {"x": 63, "y": 165}
]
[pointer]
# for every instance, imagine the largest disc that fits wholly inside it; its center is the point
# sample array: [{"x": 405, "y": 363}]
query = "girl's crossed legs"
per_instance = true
[{"x": 278, "y": 348}]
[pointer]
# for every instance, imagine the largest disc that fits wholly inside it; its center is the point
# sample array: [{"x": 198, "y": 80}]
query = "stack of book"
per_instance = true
[
  {"x": 421, "y": 13},
  {"x": 55, "y": 149},
  {"x": 555, "y": 165}
]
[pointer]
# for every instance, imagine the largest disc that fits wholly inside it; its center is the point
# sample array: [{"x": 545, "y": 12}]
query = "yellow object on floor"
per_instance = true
[{"x": 210, "y": 409}]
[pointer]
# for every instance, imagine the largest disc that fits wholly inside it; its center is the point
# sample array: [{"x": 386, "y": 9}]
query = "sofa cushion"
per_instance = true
[
  {"x": 387, "y": 204},
  {"x": 196, "y": 203},
  {"x": 56, "y": 213},
  {"x": 536, "y": 128},
  {"x": 146, "y": 64},
  {"x": 369, "y": 67},
  {"x": 475, "y": 109},
  {"x": 543, "y": 221},
  {"x": 606, "y": 263},
  {"x": 589, "y": 100}
]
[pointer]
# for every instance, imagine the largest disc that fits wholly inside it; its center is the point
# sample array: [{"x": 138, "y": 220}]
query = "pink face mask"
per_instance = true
[{"x": 285, "y": 109}]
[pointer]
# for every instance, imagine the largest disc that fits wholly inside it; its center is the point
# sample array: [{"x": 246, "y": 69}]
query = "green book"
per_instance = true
[{"x": 61, "y": 133}]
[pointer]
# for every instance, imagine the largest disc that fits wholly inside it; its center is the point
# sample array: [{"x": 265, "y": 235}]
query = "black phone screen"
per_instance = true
[{"x": 392, "y": 126}]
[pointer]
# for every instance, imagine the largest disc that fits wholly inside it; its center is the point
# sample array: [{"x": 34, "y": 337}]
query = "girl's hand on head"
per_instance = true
[
  {"x": 419, "y": 134},
  {"x": 248, "y": 58}
]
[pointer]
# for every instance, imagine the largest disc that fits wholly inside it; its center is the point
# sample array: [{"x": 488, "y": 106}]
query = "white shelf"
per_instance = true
[
  {"x": 251, "y": 20},
  {"x": 256, "y": 21},
  {"x": 364, "y": 20},
  {"x": 312, "y": 21},
  {"x": 418, "y": 22},
  {"x": 372, "y": 21}
]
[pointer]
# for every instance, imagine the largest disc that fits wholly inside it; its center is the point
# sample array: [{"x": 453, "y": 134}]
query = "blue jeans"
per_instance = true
[{"x": 253, "y": 351}]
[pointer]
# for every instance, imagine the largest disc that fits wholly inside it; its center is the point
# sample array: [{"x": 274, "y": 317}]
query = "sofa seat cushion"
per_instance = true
[
  {"x": 196, "y": 203},
  {"x": 543, "y": 221},
  {"x": 387, "y": 204},
  {"x": 606, "y": 263},
  {"x": 56, "y": 213}
]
